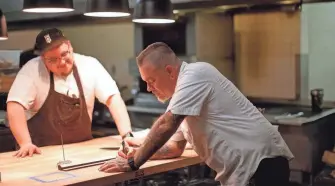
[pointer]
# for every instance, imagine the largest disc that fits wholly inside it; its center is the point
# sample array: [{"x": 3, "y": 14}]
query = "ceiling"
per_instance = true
[
  {"x": 13, "y": 13},
  {"x": 12, "y": 9}
]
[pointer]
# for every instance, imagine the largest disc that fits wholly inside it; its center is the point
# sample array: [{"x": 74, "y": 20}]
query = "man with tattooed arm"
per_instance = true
[{"x": 225, "y": 129}]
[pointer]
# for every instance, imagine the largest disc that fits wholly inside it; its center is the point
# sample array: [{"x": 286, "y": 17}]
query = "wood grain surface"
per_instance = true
[{"x": 42, "y": 169}]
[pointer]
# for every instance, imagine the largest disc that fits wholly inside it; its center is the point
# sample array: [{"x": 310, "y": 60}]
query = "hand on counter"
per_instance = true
[
  {"x": 27, "y": 150},
  {"x": 120, "y": 163}
]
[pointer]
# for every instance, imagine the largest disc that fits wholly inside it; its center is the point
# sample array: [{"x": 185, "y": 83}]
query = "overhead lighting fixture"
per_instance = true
[
  {"x": 153, "y": 11},
  {"x": 107, "y": 8},
  {"x": 48, "y": 6},
  {"x": 3, "y": 27}
]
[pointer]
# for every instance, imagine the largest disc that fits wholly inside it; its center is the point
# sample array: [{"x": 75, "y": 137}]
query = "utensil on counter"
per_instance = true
[
  {"x": 289, "y": 116},
  {"x": 60, "y": 163},
  {"x": 68, "y": 167},
  {"x": 64, "y": 160},
  {"x": 110, "y": 148}
]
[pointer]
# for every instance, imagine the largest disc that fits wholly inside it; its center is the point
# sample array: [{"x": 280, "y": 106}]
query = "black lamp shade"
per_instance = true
[
  {"x": 153, "y": 11},
  {"x": 107, "y": 8},
  {"x": 48, "y": 6},
  {"x": 3, "y": 27}
]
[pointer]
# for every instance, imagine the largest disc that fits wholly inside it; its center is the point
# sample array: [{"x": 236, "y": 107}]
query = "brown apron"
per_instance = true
[{"x": 61, "y": 114}]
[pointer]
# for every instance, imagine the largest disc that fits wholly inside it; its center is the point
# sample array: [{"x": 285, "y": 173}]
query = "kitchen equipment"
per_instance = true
[
  {"x": 317, "y": 99},
  {"x": 289, "y": 116},
  {"x": 64, "y": 160}
]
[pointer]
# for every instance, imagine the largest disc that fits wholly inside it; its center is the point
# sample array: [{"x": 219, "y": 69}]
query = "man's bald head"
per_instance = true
[{"x": 158, "y": 54}]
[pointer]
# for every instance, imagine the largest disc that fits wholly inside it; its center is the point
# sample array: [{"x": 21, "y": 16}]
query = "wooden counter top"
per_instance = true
[{"x": 25, "y": 171}]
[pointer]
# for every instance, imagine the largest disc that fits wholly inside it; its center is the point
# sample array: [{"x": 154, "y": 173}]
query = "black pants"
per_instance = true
[{"x": 272, "y": 172}]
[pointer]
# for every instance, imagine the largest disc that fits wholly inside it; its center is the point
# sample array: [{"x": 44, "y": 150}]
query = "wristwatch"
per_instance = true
[
  {"x": 131, "y": 164},
  {"x": 129, "y": 134}
]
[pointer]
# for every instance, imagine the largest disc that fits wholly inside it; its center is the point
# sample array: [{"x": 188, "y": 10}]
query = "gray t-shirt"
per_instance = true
[{"x": 226, "y": 130}]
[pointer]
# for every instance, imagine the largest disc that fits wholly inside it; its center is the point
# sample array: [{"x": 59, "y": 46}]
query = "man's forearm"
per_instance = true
[
  {"x": 119, "y": 112},
  {"x": 170, "y": 150},
  {"x": 18, "y": 123},
  {"x": 159, "y": 134}
]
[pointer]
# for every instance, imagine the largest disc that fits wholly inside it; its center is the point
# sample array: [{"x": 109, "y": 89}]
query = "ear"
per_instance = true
[
  {"x": 169, "y": 69},
  {"x": 70, "y": 46},
  {"x": 42, "y": 57}
]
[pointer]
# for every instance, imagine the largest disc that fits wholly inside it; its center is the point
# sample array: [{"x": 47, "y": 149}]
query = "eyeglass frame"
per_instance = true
[{"x": 55, "y": 60}]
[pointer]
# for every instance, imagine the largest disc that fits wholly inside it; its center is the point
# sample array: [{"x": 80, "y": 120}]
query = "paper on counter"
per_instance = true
[{"x": 52, "y": 177}]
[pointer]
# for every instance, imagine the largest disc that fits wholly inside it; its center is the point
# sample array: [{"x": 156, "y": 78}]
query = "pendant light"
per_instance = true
[
  {"x": 48, "y": 6},
  {"x": 3, "y": 27},
  {"x": 107, "y": 8},
  {"x": 153, "y": 11}
]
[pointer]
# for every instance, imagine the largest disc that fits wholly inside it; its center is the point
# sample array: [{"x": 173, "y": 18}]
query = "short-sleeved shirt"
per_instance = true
[
  {"x": 31, "y": 85},
  {"x": 225, "y": 129}
]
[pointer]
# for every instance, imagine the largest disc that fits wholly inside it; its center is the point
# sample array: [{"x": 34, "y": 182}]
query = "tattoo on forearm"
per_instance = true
[
  {"x": 168, "y": 150},
  {"x": 162, "y": 153},
  {"x": 159, "y": 134},
  {"x": 165, "y": 149}
]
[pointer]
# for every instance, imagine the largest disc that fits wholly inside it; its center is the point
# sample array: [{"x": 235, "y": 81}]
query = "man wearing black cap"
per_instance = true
[{"x": 52, "y": 97}]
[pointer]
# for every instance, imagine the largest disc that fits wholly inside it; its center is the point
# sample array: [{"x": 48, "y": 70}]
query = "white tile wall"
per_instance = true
[{"x": 318, "y": 41}]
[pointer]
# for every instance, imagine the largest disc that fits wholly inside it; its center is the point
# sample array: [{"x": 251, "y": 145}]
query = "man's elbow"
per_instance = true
[
  {"x": 176, "y": 150},
  {"x": 168, "y": 151},
  {"x": 163, "y": 155},
  {"x": 178, "y": 153}
]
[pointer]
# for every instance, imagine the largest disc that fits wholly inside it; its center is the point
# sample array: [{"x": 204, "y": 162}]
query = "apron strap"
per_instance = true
[
  {"x": 78, "y": 81},
  {"x": 52, "y": 83},
  {"x": 76, "y": 77}
]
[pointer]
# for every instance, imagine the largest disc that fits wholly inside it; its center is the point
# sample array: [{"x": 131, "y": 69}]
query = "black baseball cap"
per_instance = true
[{"x": 48, "y": 39}]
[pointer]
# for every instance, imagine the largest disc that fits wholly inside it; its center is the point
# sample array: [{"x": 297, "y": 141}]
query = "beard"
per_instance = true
[
  {"x": 161, "y": 98},
  {"x": 65, "y": 74},
  {"x": 66, "y": 69}
]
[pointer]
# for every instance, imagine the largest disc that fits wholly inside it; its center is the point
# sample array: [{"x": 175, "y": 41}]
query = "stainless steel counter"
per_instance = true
[{"x": 299, "y": 121}]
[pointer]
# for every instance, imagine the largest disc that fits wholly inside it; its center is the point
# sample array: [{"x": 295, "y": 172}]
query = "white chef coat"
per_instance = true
[
  {"x": 31, "y": 85},
  {"x": 225, "y": 129}
]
